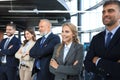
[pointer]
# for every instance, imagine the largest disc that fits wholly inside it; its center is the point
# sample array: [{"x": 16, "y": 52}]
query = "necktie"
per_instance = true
[
  {"x": 37, "y": 62},
  {"x": 3, "y": 59},
  {"x": 108, "y": 38},
  {"x": 42, "y": 41},
  {"x": 6, "y": 43}
]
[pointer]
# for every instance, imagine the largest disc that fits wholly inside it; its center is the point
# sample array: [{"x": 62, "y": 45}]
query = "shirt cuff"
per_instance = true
[{"x": 97, "y": 61}]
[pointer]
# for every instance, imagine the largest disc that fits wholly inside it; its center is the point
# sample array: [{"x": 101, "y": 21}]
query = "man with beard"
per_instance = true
[
  {"x": 8, "y": 48},
  {"x": 42, "y": 51},
  {"x": 103, "y": 57}
]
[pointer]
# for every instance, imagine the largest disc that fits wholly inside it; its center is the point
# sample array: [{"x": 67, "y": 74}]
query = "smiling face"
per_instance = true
[
  {"x": 44, "y": 27},
  {"x": 111, "y": 15},
  {"x": 10, "y": 31},
  {"x": 67, "y": 35},
  {"x": 28, "y": 35}
]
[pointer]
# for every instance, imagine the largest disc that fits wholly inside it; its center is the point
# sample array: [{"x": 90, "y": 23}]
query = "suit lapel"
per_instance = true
[
  {"x": 114, "y": 39},
  {"x": 49, "y": 37},
  {"x": 12, "y": 40},
  {"x": 60, "y": 58},
  {"x": 47, "y": 40}
]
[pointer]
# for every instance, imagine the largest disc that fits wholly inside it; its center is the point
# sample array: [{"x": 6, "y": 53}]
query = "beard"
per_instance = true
[
  {"x": 9, "y": 34},
  {"x": 110, "y": 23},
  {"x": 43, "y": 33}
]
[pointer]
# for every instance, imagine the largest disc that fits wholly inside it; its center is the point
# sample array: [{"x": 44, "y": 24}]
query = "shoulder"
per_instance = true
[
  {"x": 100, "y": 34},
  {"x": 78, "y": 45},
  {"x": 15, "y": 38},
  {"x": 54, "y": 35}
]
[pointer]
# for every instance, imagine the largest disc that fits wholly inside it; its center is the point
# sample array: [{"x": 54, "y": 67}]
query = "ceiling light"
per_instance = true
[
  {"x": 7, "y": 0},
  {"x": 46, "y": 11}
]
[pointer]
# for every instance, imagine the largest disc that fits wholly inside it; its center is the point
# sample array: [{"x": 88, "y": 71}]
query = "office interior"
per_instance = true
[{"x": 85, "y": 14}]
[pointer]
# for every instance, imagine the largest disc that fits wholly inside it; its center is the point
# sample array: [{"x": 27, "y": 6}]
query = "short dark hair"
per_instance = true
[
  {"x": 12, "y": 25},
  {"x": 116, "y": 2}
]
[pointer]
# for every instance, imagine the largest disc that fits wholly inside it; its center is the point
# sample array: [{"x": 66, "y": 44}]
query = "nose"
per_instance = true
[{"x": 39, "y": 28}]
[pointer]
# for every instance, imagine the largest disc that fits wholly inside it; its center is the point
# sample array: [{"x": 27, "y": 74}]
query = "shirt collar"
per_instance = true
[
  {"x": 47, "y": 34},
  {"x": 113, "y": 31},
  {"x": 69, "y": 45},
  {"x": 11, "y": 37}
]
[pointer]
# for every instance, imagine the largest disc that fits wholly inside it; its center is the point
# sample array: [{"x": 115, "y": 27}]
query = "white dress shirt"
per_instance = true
[{"x": 66, "y": 50}]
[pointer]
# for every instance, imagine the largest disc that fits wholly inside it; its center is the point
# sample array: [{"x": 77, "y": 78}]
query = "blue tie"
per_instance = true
[
  {"x": 6, "y": 43},
  {"x": 3, "y": 59},
  {"x": 42, "y": 41},
  {"x": 37, "y": 62},
  {"x": 108, "y": 38}
]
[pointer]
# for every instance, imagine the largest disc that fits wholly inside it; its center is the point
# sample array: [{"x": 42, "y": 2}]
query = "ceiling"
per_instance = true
[{"x": 27, "y": 13}]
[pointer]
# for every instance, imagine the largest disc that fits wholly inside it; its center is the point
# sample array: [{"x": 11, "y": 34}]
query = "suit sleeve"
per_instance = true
[
  {"x": 72, "y": 69},
  {"x": 18, "y": 54},
  {"x": 105, "y": 67},
  {"x": 89, "y": 65},
  {"x": 37, "y": 52},
  {"x": 52, "y": 70},
  {"x": 109, "y": 68},
  {"x": 15, "y": 43}
]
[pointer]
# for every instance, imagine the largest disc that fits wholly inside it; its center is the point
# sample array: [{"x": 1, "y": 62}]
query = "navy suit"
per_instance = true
[
  {"x": 107, "y": 67},
  {"x": 44, "y": 54},
  {"x": 9, "y": 68}
]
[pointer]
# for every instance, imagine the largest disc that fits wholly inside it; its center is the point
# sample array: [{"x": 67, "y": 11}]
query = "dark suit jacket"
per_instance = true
[
  {"x": 66, "y": 70},
  {"x": 44, "y": 54},
  {"x": 11, "y": 60},
  {"x": 107, "y": 67}
]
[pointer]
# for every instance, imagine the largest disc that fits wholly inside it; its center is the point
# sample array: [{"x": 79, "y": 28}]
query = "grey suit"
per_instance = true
[{"x": 66, "y": 69}]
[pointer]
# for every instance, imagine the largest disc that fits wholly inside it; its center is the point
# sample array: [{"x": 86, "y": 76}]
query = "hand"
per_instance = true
[
  {"x": 118, "y": 61},
  {"x": 10, "y": 46},
  {"x": 23, "y": 55},
  {"x": 75, "y": 63},
  {"x": 27, "y": 53},
  {"x": 53, "y": 63},
  {"x": 95, "y": 59}
]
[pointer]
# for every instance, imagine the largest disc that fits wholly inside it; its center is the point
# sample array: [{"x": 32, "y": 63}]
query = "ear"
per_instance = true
[{"x": 73, "y": 35}]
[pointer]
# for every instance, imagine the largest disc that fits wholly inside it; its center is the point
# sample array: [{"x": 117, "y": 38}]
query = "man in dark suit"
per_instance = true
[
  {"x": 103, "y": 58},
  {"x": 8, "y": 48},
  {"x": 43, "y": 49}
]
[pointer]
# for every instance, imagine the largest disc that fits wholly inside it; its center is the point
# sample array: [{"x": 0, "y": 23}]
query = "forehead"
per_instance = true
[
  {"x": 66, "y": 28},
  {"x": 27, "y": 32},
  {"x": 9, "y": 27},
  {"x": 111, "y": 6}
]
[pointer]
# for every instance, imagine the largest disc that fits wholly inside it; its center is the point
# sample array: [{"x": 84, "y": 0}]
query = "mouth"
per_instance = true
[{"x": 106, "y": 19}]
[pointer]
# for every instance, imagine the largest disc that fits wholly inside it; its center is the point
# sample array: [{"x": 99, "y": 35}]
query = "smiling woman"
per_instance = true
[
  {"x": 67, "y": 59},
  {"x": 26, "y": 62}
]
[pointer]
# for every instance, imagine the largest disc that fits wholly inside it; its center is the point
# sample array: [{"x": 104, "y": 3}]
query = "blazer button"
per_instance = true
[{"x": 108, "y": 74}]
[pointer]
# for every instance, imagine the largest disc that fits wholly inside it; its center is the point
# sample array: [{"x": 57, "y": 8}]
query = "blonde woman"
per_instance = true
[
  {"x": 67, "y": 59},
  {"x": 26, "y": 62}
]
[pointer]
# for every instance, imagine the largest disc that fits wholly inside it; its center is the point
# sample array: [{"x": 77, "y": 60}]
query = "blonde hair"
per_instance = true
[{"x": 75, "y": 37}]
